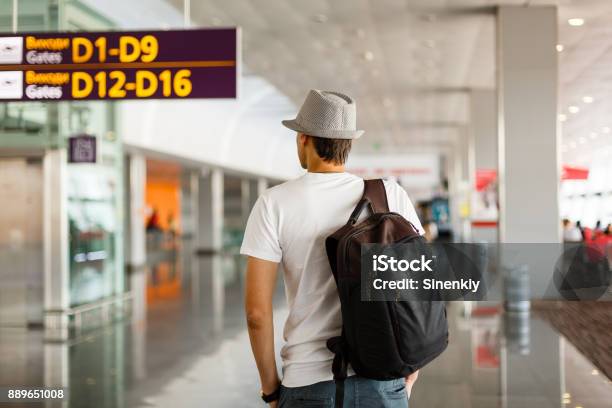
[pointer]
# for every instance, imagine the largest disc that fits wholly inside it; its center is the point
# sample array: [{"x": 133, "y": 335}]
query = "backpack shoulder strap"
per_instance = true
[{"x": 374, "y": 191}]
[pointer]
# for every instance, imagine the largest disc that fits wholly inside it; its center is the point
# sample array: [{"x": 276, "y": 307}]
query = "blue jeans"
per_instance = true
[{"x": 358, "y": 393}]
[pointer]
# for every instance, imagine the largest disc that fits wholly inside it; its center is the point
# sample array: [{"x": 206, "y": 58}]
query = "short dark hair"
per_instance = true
[{"x": 332, "y": 150}]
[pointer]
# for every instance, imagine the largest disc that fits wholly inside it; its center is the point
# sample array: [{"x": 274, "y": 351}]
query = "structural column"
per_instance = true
[
  {"x": 56, "y": 269},
  {"x": 210, "y": 211},
  {"x": 209, "y": 245},
  {"x": 528, "y": 177},
  {"x": 458, "y": 186},
  {"x": 55, "y": 244},
  {"x": 483, "y": 158},
  {"x": 256, "y": 188},
  {"x": 136, "y": 252},
  {"x": 246, "y": 200},
  {"x": 527, "y": 121},
  {"x": 136, "y": 256},
  {"x": 262, "y": 185}
]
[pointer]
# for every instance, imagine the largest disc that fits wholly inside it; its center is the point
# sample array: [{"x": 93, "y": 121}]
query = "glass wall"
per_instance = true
[
  {"x": 27, "y": 124},
  {"x": 93, "y": 191}
]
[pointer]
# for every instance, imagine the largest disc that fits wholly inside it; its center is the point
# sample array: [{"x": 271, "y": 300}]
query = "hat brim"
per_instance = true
[{"x": 325, "y": 133}]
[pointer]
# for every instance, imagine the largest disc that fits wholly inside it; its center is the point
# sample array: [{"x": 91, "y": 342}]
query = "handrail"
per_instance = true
[{"x": 100, "y": 303}]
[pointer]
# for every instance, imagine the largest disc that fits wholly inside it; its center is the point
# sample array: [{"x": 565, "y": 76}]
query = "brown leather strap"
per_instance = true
[{"x": 374, "y": 191}]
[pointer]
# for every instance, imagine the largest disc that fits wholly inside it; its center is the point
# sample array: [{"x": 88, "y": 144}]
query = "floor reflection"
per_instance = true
[
  {"x": 498, "y": 359},
  {"x": 192, "y": 350}
]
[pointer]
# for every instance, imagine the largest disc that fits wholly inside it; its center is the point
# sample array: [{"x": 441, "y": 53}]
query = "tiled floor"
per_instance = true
[
  {"x": 192, "y": 350},
  {"x": 588, "y": 325}
]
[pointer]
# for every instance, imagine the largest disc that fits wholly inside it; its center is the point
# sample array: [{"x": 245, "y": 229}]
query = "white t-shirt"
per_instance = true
[{"x": 289, "y": 224}]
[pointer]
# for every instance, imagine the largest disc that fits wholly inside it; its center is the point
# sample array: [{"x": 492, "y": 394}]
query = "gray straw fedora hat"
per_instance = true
[{"x": 326, "y": 114}]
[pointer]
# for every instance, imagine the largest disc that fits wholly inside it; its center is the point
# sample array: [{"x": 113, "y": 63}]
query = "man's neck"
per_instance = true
[{"x": 324, "y": 167}]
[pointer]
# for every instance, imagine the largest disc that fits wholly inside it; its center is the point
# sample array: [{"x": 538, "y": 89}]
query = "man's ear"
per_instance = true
[{"x": 303, "y": 139}]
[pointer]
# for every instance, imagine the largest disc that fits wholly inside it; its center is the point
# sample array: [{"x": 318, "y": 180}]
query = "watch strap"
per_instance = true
[{"x": 271, "y": 397}]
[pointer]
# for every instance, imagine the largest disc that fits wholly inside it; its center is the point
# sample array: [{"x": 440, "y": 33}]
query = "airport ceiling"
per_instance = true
[{"x": 411, "y": 63}]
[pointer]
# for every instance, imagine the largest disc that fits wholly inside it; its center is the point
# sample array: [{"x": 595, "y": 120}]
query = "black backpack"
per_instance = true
[{"x": 381, "y": 340}]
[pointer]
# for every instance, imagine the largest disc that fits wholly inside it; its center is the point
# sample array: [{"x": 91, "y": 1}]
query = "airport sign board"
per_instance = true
[{"x": 172, "y": 64}]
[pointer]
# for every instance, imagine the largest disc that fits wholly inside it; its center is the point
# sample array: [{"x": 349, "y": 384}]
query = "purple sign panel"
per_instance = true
[
  {"x": 82, "y": 149},
  {"x": 177, "y": 64}
]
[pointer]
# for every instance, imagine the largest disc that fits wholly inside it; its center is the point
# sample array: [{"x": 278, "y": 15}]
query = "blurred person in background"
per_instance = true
[
  {"x": 431, "y": 231},
  {"x": 586, "y": 232},
  {"x": 429, "y": 225},
  {"x": 287, "y": 227},
  {"x": 597, "y": 228},
  {"x": 172, "y": 225},
  {"x": 153, "y": 223},
  {"x": 601, "y": 239},
  {"x": 571, "y": 233}
]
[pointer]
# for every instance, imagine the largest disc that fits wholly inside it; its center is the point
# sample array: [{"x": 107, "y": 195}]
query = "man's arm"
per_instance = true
[{"x": 260, "y": 285}]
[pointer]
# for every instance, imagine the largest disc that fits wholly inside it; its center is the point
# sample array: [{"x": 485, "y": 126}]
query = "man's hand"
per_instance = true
[
  {"x": 410, "y": 380},
  {"x": 273, "y": 404}
]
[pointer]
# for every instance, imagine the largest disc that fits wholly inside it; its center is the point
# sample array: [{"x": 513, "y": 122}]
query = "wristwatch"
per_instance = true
[{"x": 270, "y": 397}]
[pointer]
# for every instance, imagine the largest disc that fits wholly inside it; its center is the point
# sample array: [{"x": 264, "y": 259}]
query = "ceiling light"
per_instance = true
[
  {"x": 582, "y": 140},
  {"x": 594, "y": 372},
  {"x": 605, "y": 129},
  {"x": 562, "y": 117},
  {"x": 320, "y": 18},
  {"x": 318, "y": 46},
  {"x": 576, "y": 22},
  {"x": 573, "y": 109},
  {"x": 588, "y": 99},
  {"x": 560, "y": 47},
  {"x": 430, "y": 63},
  {"x": 368, "y": 55},
  {"x": 593, "y": 135}
]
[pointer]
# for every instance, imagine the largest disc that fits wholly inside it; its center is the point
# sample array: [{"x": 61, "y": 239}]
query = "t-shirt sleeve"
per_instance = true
[
  {"x": 261, "y": 233},
  {"x": 400, "y": 203}
]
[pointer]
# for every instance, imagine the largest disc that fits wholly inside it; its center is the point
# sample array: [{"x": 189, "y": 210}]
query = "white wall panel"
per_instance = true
[{"x": 244, "y": 134}]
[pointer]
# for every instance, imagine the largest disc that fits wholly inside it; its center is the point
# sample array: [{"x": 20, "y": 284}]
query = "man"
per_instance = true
[{"x": 287, "y": 228}]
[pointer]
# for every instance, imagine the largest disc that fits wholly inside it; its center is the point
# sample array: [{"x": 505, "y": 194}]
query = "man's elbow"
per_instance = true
[{"x": 257, "y": 319}]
